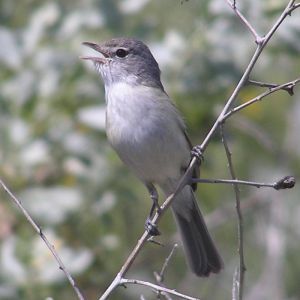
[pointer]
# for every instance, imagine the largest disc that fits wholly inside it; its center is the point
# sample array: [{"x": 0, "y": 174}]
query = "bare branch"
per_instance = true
[
  {"x": 183, "y": 182},
  {"x": 288, "y": 85},
  {"x": 188, "y": 174},
  {"x": 157, "y": 288},
  {"x": 287, "y": 11},
  {"x": 289, "y": 89},
  {"x": 160, "y": 276},
  {"x": 116, "y": 282},
  {"x": 284, "y": 183},
  {"x": 242, "y": 268},
  {"x": 38, "y": 229},
  {"x": 143, "y": 239},
  {"x": 245, "y": 21}
]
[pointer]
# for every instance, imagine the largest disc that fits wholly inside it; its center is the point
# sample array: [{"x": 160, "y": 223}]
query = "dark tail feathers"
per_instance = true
[{"x": 201, "y": 253}]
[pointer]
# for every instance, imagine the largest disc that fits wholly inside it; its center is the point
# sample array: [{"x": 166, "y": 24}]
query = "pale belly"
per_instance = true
[{"x": 149, "y": 141}]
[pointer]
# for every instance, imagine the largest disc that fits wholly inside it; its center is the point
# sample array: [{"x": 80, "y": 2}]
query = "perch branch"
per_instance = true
[{"x": 188, "y": 174}]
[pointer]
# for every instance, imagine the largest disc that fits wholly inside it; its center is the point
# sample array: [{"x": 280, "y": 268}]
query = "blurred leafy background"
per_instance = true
[{"x": 55, "y": 157}]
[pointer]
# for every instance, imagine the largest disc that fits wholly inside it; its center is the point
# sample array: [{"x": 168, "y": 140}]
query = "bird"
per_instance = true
[{"x": 149, "y": 134}]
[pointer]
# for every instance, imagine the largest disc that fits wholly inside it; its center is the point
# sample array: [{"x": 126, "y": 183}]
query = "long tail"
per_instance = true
[{"x": 201, "y": 253}]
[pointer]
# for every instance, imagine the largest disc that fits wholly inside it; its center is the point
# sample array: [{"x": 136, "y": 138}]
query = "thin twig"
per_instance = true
[
  {"x": 245, "y": 21},
  {"x": 244, "y": 79},
  {"x": 160, "y": 276},
  {"x": 291, "y": 6},
  {"x": 38, "y": 229},
  {"x": 157, "y": 288},
  {"x": 287, "y": 85},
  {"x": 284, "y": 183},
  {"x": 242, "y": 268},
  {"x": 289, "y": 89}
]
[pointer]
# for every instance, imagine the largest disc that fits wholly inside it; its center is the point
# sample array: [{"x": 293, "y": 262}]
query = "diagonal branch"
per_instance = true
[
  {"x": 245, "y": 21},
  {"x": 143, "y": 239},
  {"x": 288, "y": 85},
  {"x": 160, "y": 276},
  {"x": 244, "y": 79},
  {"x": 188, "y": 174},
  {"x": 38, "y": 229}
]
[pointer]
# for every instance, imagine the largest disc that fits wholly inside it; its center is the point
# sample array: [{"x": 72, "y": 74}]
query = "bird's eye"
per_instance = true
[{"x": 121, "y": 53}]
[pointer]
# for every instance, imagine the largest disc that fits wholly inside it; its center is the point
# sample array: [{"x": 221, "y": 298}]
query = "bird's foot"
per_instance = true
[
  {"x": 197, "y": 152},
  {"x": 151, "y": 228}
]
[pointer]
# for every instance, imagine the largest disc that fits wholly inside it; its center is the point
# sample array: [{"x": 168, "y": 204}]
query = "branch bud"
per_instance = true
[{"x": 287, "y": 182}]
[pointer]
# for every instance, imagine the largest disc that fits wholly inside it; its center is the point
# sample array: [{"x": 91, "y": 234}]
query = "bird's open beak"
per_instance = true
[{"x": 99, "y": 49}]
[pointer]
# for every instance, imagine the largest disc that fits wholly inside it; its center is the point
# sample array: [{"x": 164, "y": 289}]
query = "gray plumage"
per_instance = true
[{"x": 148, "y": 133}]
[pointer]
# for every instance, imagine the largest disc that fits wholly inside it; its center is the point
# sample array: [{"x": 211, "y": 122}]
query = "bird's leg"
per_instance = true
[
  {"x": 149, "y": 226},
  {"x": 154, "y": 197},
  {"x": 198, "y": 153}
]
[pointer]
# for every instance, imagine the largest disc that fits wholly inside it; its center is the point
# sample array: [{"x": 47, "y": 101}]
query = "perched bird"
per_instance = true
[{"x": 148, "y": 133}]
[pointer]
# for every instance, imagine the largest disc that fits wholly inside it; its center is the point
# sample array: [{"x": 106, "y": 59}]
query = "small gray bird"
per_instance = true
[{"x": 148, "y": 133}]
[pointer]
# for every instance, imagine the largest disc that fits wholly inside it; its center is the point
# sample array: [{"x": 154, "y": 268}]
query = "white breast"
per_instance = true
[{"x": 145, "y": 129}]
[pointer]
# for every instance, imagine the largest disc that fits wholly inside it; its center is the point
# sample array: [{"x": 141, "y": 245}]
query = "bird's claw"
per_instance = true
[
  {"x": 197, "y": 152},
  {"x": 151, "y": 228}
]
